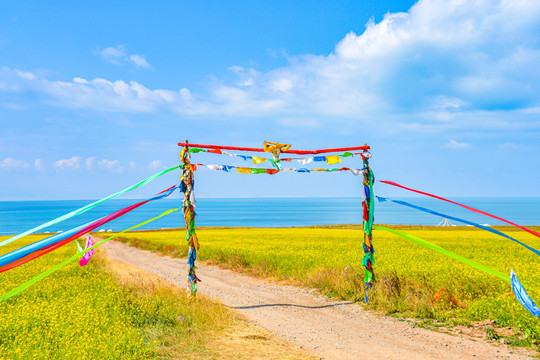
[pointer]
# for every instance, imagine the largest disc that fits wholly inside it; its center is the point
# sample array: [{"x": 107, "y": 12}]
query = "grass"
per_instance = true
[
  {"x": 108, "y": 310},
  {"x": 412, "y": 281}
]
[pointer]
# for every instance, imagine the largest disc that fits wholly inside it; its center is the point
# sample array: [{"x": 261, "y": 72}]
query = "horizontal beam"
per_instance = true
[{"x": 299, "y": 152}]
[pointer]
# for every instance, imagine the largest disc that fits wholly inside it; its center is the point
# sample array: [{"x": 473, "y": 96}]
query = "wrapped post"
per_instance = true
[
  {"x": 188, "y": 205},
  {"x": 368, "y": 205}
]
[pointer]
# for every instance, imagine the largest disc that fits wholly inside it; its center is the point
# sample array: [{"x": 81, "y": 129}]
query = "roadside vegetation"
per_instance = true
[
  {"x": 412, "y": 281},
  {"x": 109, "y": 310}
]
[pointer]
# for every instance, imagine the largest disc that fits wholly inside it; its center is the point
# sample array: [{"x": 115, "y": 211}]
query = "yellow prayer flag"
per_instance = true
[
  {"x": 258, "y": 160},
  {"x": 243, "y": 170},
  {"x": 319, "y": 169},
  {"x": 333, "y": 159}
]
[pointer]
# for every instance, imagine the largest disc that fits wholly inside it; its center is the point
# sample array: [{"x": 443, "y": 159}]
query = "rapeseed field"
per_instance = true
[
  {"x": 92, "y": 313},
  {"x": 412, "y": 281}
]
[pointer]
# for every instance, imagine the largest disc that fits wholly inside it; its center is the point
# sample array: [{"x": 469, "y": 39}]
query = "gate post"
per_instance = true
[
  {"x": 186, "y": 186},
  {"x": 368, "y": 205}
]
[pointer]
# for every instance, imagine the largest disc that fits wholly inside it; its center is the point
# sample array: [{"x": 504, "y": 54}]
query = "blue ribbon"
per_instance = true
[
  {"x": 381, "y": 199},
  {"x": 51, "y": 240},
  {"x": 522, "y": 296}
]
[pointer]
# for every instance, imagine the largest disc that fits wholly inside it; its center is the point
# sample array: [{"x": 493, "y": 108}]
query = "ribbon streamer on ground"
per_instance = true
[
  {"x": 463, "y": 206},
  {"x": 439, "y": 249},
  {"x": 381, "y": 199},
  {"x": 20, "y": 256},
  {"x": 87, "y": 207},
  {"x": 41, "y": 276},
  {"x": 522, "y": 296}
]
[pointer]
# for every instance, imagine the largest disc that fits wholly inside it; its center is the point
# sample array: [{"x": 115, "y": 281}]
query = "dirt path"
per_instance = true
[{"x": 326, "y": 328}]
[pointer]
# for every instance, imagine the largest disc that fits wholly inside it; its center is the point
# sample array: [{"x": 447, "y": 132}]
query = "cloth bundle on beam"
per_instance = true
[
  {"x": 382, "y": 199},
  {"x": 87, "y": 207},
  {"x": 23, "y": 255},
  {"x": 463, "y": 206}
]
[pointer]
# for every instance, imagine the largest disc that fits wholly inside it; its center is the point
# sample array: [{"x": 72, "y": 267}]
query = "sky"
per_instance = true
[{"x": 95, "y": 96}]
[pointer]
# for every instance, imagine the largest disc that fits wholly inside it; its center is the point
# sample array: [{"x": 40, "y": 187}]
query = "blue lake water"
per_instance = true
[{"x": 19, "y": 216}]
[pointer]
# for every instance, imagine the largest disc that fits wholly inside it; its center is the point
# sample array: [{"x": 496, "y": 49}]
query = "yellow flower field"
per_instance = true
[
  {"x": 408, "y": 275},
  {"x": 90, "y": 313}
]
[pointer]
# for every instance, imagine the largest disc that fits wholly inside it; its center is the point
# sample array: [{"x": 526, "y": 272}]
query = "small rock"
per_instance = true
[{"x": 503, "y": 341}]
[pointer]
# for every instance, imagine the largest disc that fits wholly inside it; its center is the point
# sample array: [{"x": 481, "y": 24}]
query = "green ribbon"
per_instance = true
[
  {"x": 276, "y": 164},
  {"x": 258, "y": 171},
  {"x": 448, "y": 253},
  {"x": 346, "y": 154},
  {"x": 368, "y": 225},
  {"x": 72, "y": 258},
  {"x": 78, "y": 246},
  {"x": 196, "y": 150},
  {"x": 87, "y": 207}
]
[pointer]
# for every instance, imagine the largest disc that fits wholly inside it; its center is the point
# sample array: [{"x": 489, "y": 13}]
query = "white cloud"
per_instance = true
[
  {"x": 140, "y": 61},
  {"x": 39, "y": 164},
  {"x": 110, "y": 165},
  {"x": 73, "y": 163},
  {"x": 132, "y": 164},
  {"x": 453, "y": 144},
  {"x": 10, "y": 163},
  {"x": 118, "y": 55},
  {"x": 90, "y": 162},
  {"x": 156, "y": 165},
  {"x": 442, "y": 64}
]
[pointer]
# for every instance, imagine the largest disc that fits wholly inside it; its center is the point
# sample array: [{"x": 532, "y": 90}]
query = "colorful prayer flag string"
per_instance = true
[
  {"x": 44, "y": 274},
  {"x": 463, "y": 206},
  {"x": 381, "y": 199},
  {"x": 39, "y": 248},
  {"x": 87, "y": 207}
]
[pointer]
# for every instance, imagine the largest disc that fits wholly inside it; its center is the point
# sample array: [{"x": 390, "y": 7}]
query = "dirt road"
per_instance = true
[{"x": 323, "y": 327}]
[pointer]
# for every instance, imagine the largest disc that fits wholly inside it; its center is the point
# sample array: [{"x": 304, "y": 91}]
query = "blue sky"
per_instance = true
[{"x": 95, "y": 96}]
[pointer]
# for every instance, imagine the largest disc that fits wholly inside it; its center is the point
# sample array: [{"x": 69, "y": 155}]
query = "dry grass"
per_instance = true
[{"x": 224, "y": 334}]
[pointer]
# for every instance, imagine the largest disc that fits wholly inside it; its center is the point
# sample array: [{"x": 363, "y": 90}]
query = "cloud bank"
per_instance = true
[{"x": 451, "y": 63}]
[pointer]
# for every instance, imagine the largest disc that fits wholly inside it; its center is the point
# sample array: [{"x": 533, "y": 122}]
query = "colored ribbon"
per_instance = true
[
  {"x": 333, "y": 159},
  {"x": 381, "y": 199},
  {"x": 439, "y": 249},
  {"x": 464, "y": 206},
  {"x": 23, "y": 255},
  {"x": 87, "y": 255},
  {"x": 87, "y": 207},
  {"x": 246, "y": 170},
  {"x": 44, "y": 274},
  {"x": 522, "y": 296}
]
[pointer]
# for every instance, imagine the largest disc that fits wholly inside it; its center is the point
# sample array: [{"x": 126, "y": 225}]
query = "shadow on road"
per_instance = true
[{"x": 291, "y": 305}]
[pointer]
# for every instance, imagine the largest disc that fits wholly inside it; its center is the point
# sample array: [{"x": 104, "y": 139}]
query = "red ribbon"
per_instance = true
[{"x": 464, "y": 206}]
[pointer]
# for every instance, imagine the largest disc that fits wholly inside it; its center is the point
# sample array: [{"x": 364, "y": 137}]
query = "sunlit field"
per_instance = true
[{"x": 410, "y": 278}]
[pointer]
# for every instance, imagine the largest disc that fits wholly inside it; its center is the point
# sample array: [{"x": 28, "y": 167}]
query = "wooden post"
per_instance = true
[
  {"x": 368, "y": 203},
  {"x": 186, "y": 186}
]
